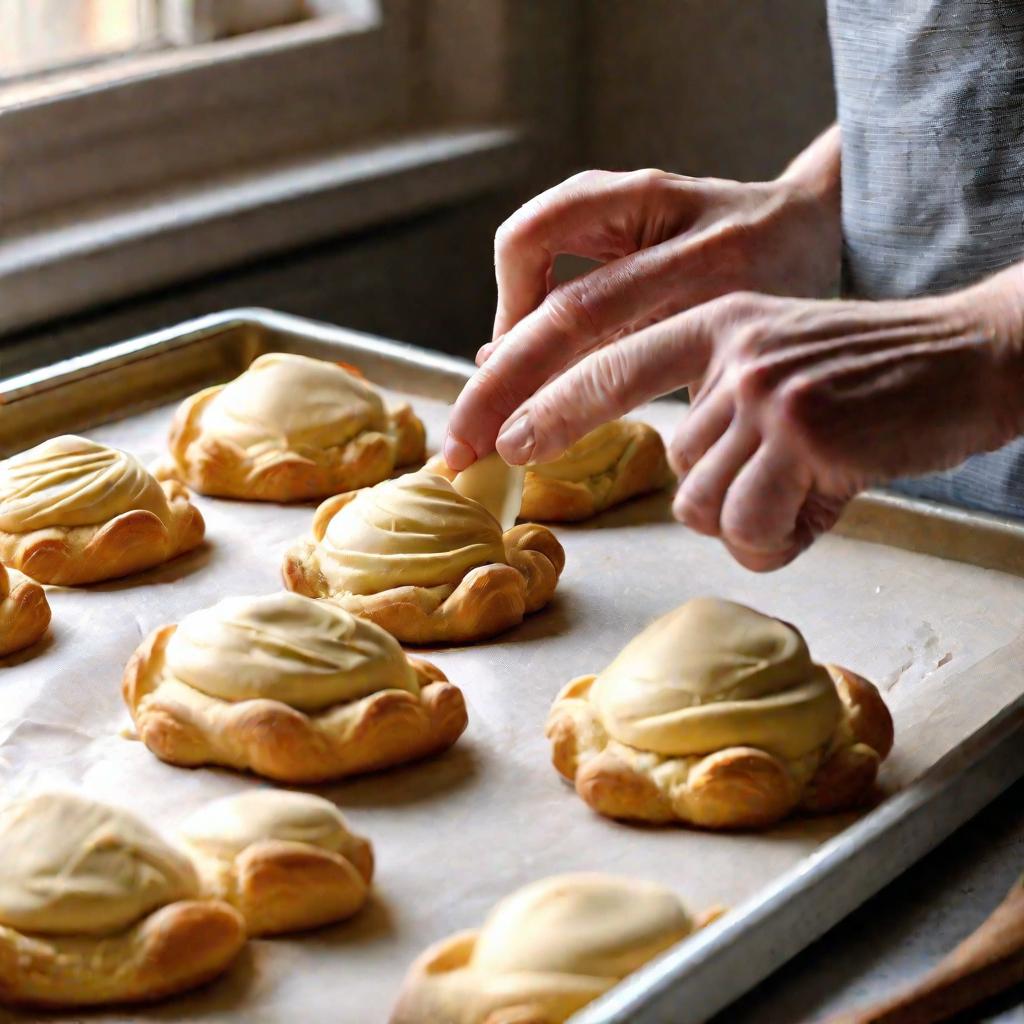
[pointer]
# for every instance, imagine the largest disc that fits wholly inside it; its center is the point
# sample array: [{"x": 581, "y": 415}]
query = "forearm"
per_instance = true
[
  {"x": 998, "y": 302},
  {"x": 817, "y": 168}
]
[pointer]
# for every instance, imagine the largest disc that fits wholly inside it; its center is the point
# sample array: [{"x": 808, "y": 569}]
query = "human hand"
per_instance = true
[
  {"x": 666, "y": 243},
  {"x": 798, "y": 404}
]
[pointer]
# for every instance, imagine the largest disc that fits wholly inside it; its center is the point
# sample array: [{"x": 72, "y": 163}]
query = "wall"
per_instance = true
[
  {"x": 731, "y": 88},
  {"x": 725, "y": 87}
]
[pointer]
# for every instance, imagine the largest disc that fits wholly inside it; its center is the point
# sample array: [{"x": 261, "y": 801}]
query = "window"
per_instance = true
[
  {"x": 147, "y": 141},
  {"x": 43, "y": 35}
]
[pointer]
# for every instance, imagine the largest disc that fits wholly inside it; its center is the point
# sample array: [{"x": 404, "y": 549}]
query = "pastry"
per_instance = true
[
  {"x": 543, "y": 953},
  {"x": 289, "y": 688},
  {"x": 290, "y": 428},
  {"x": 286, "y": 861},
  {"x": 425, "y": 562},
  {"x": 24, "y": 611},
  {"x": 716, "y": 716},
  {"x": 96, "y": 908},
  {"x": 617, "y": 461},
  {"x": 75, "y": 511}
]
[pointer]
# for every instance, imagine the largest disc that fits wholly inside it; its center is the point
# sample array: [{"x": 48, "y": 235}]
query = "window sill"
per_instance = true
[{"x": 63, "y": 264}]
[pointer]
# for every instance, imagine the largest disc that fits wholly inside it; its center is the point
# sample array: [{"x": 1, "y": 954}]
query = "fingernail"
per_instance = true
[
  {"x": 516, "y": 442},
  {"x": 484, "y": 353},
  {"x": 458, "y": 454}
]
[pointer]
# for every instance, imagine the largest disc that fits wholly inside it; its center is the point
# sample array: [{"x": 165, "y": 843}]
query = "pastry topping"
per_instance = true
[
  {"x": 70, "y": 481},
  {"x": 593, "y": 454},
  {"x": 308, "y": 654},
  {"x": 711, "y": 675},
  {"x": 224, "y": 828},
  {"x": 496, "y": 485},
  {"x": 416, "y": 530},
  {"x": 75, "y": 867},
  {"x": 597, "y": 925},
  {"x": 292, "y": 401}
]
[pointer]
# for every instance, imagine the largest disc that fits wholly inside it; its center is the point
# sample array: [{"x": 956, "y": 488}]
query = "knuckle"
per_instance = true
[
  {"x": 694, "y": 511},
  {"x": 517, "y": 229},
  {"x": 551, "y": 421},
  {"x": 585, "y": 179},
  {"x": 496, "y": 389},
  {"x": 734, "y": 307},
  {"x": 568, "y": 311},
  {"x": 796, "y": 400},
  {"x": 682, "y": 453},
  {"x": 752, "y": 382},
  {"x": 742, "y": 531},
  {"x": 646, "y": 179},
  {"x": 611, "y": 379}
]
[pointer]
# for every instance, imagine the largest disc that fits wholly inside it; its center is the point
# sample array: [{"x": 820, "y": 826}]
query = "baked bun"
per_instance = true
[
  {"x": 290, "y": 428},
  {"x": 289, "y": 688},
  {"x": 24, "y": 611},
  {"x": 75, "y": 511},
  {"x": 618, "y": 461},
  {"x": 543, "y": 953},
  {"x": 423, "y": 561},
  {"x": 286, "y": 861},
  {"x": 96, "y": 908},
  {"x": 715, "y": 715}
]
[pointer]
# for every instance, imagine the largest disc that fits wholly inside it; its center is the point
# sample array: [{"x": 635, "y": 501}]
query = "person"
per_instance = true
[{"x": 800, "y": 399}]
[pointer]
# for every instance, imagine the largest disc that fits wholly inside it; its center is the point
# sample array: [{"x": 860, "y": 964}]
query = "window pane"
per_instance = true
[{"x": 37, "y": 35}]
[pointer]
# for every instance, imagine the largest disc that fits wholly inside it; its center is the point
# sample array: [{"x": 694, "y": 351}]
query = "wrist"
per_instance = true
[
  {"x": 815, "y": 173},
  {"x": 995, "y": 307}
]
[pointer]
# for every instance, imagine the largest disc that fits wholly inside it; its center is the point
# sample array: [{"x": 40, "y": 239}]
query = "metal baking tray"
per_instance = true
[{"x": 925, "y": 600}]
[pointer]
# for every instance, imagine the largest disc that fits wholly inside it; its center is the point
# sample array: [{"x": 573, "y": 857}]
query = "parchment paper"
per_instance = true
[{"x": 455, "y": 833}]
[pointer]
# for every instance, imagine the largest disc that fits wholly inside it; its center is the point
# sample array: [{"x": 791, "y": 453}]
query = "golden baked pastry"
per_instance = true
[
  {"x": 24, "y": 611},
  {"x": 618, "y": 461},
  {"x": 290, "y": 688},
  {"x": 425, "y": 562},
  {"x": 715, "y": 715},
  {"x": 290, "y": 428},
  {"x": 75, "y": 511},
  {"x": 286, "y": 861},
  {"x": 96, "y": 908},
  {"x": 543, "y": 953}
]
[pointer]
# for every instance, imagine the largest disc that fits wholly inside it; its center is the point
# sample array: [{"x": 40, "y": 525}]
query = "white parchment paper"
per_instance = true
[{"x": 455, "y": 833}]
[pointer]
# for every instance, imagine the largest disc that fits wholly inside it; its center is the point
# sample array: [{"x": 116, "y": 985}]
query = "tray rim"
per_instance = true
[{"x": 738, "y": 947}]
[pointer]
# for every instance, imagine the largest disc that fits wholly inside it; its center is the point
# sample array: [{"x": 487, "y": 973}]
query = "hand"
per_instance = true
[
  {"x": 666, "y": 243},
  {"x": 799, "y": 404}
]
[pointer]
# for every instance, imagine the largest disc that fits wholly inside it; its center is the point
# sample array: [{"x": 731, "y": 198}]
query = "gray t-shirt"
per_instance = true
[{"x": 931, "y": 108}]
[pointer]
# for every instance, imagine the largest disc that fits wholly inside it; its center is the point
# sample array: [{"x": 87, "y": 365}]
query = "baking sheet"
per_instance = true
[{"x": 455, "y": 833}]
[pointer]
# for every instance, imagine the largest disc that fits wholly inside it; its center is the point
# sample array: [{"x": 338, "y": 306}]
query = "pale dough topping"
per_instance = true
[
  {"x": 416, "y": 530},
  {"x": 226, "y": 827},
  {"x": 590, "y": 924},
  {"x": 72, "y": 866},
  {"x": 308, "y": 654},
  {"x": 711, "y": 675},
  {"x": 495, "y": 485},
  {"x": 286, "y": 401},
  {"x": 71, "y": 481},
  {"x": 592, "y": 455}
]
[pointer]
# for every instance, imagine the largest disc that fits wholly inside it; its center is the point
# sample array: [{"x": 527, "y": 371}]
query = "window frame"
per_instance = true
[{"x": 128, "y": 176}]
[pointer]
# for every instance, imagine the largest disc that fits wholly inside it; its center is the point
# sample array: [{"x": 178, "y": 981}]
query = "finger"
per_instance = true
[
  {"x": 607, "y": 384},
  {"x": 702, "y": 426},
  {"x": 594, "y": 214},
  {"x": 698, "y": 501},
  {"x": 760, "y": 515},
  {"x": 574, "y": 320}
]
